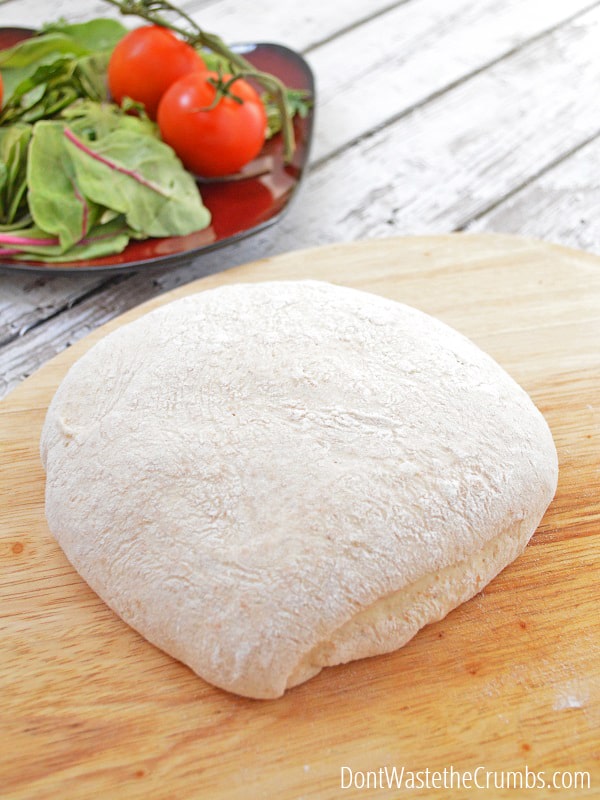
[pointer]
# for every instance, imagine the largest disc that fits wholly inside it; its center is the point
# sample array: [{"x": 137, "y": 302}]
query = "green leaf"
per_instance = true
[
  {"x": 91, "y": 120},
  {"x": 57, "y": 203},
  {"x": 94, "y": 39},
  {"x": 14, "y": 143},
  {"x": 90, "y": 73},
  {"x": 13, "y": 78},
  {"x": 142, "y": 178},
  {"x": 94, "y": 35},
  {"x": 42, "y": 93},
  {"x": 20, "y": 62},
  {"x": 36, "y": 49},
  {"x": 216, "y": 63},
  {"x": 298, "y": 102},
  {"x": 102, "y": 240},
  {"x": 54, "y": 87}
]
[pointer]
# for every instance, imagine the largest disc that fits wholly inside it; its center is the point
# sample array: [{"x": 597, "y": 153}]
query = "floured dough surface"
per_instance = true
[{"x": 265, "y": 479}]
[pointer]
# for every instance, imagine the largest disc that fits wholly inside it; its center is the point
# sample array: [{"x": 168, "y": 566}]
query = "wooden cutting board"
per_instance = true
[{"x": 509, "y": 681}]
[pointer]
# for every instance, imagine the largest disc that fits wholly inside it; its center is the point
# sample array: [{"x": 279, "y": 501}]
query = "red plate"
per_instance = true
[{"x": 240, "y": 206}]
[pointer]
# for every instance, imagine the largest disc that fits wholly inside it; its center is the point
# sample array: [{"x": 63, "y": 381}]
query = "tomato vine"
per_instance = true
[{"x": 167, "y": 15}]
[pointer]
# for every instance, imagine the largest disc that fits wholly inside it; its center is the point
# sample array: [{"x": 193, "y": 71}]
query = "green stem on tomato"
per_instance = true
[{"x": 150, "y": 11}]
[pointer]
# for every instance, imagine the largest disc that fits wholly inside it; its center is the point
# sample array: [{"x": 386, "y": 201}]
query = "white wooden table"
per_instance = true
[{"x": 433, "y": 116}]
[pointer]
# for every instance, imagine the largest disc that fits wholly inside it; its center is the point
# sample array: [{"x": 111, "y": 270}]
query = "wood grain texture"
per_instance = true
[
  {"x": 511, "y": 678},
  {"x": 433, "y": 170},
  {"x": 301, "y": 26},
  {"x": 562, "y": 204},
  {"x": 399, "y": 60}
]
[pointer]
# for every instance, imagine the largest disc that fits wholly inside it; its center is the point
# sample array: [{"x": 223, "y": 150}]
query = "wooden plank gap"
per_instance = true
[
  {"x": 550, "y": 165},
  {"x": 110, "y": 282},
  {"x": 452, "y": 85},
  {"x": 353, "y": 25}
]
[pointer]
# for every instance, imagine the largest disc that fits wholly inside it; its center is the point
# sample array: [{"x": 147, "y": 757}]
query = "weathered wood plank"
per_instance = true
[
  {"x": 396, "y": 61},
  {"x": 430, "y": 171},
  {"x": 377, "y": 70},
  {"x": 562, "y": 205},
  {"x": 446, "y": 162},
  {"x": 400, "y": 69},
  {"x": 32, "y": 13},
  {"x": 46, "y": 294},
  {"x": 17, "y": 362},
  {"x": 25, "y": 301},
  {"x": 299, "y": 25}
]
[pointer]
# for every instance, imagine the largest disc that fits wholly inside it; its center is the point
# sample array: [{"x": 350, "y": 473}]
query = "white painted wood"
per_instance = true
[
  {"x": 33, "y": 13},
  {"x": 407, "y": 44},
  {"x": 47, "y": 294},
  {"x": 563, "y": 205},
  {"x": 21, "y": 357},
  {"x": 299, "y": 25},
  {"x": 449, "y": 160},
  {"x": 378, "y": 70},
  {"x": 432, "y": 170}
]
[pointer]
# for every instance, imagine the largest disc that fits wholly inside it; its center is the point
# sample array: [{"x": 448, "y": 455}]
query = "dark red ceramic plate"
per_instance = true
[{"x": 239, "y": 207}]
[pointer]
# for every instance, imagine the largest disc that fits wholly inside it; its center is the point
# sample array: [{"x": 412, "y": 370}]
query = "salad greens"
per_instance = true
[
  {"x": 79, "y": 177},
  {"x": 47, "y": 72},
  {"x": 57, "y": 204},
  {"x": 140, "y": 177},
  {"x": 14, "y": 142},
  {"x": 96, "y": 166}
]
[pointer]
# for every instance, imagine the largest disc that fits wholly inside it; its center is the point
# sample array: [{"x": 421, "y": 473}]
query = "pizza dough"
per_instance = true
[{"x": 267, "y": 479}]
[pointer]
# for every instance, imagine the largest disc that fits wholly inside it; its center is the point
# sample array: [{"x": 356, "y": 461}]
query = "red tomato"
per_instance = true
[
  {"x": 212, "y": 141},
  {"x": 146, "y": 62}
]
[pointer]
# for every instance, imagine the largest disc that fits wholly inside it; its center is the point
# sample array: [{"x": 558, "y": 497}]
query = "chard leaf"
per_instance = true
[
  {"x": 20, "y": 62},
  {"x": 42, "y": 93},
  {"x": 91, "y": 121},
  {"x": 13, "y": 78},
  {"x": 89, "y": 44},
  {"x": 94, "y": 35},
  {"x": 26, "y": 237},
  {"x": 57, "y": 203},
  {"x": 33, "y": 243},
  {"x": 141, "y": 177},
  {"x": 22, "y": 222},
  {"x": 54, "y": 87},
  {"x": 35, "y": 50},
  {"x": 90, "y": 73},
  {"x": 14, "y": 142},
  {"x": 215, "y": 62}
]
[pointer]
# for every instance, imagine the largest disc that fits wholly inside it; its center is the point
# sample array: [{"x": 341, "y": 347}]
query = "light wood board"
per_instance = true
[{"x": 510, "y": 679}]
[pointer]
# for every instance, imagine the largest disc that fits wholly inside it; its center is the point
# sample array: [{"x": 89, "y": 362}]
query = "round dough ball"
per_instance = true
[{"x": 267, "y": 479}]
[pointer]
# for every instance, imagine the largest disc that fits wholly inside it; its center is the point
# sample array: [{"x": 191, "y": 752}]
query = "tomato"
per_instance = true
[
  {"x": 212, "y": 141},
  {"x": 146, "y": 62}
]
